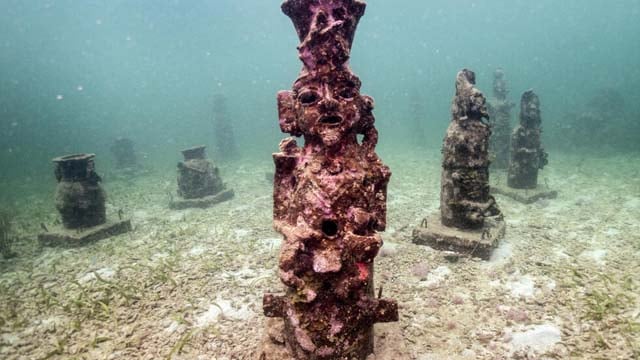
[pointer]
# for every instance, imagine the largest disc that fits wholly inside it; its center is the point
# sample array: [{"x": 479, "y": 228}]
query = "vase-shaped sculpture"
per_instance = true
[
  {"x": 80, "y": 200},
  {"x": 79, "y": 197},
  {"x": 329, "y": 195}
]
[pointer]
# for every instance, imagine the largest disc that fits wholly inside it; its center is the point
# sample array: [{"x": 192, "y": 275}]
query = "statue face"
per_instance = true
[{"x": 328, "y": 107}]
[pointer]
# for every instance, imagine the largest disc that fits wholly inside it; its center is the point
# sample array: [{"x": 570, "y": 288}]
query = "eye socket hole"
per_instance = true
[
  {"x": 347, "y": 93},
  {"x": 329, "y": 228},
  {"x": 308, "y": 97}
]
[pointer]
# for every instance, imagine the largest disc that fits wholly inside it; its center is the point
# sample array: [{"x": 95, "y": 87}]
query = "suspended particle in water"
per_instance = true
[
  {"x": 98, "y": 21},
  {"x": 80, "y": 88},
  {"x": 59, "y": 97}
]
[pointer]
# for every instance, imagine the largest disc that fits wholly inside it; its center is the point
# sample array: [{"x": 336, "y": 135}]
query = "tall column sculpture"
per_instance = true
[
  {"x": 527, "y": 155},
  {"x": 500, "y": 120},
  {"x": 469, "y": 220},
  {"x": 329, "y": 195},
  {"x": 224, "y": 137}
]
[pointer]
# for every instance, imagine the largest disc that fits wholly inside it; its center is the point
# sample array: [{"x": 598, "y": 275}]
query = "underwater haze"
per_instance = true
[{"x": 75, "y": 75}]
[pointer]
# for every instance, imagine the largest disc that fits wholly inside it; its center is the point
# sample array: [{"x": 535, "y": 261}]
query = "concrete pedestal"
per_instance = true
[
  {"x": 525, "y": 196},
  {"x": 477, "y": 243},
  {"x": 63, "y": 237},
  {"x": 202, "y": 203},
  {"x": 389, "y": 342}
]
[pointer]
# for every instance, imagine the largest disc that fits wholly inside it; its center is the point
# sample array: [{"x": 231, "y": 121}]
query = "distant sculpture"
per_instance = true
[
  {"x": 225, "y": 143},
  {"x": 527, "y": 155},
  {"x": 80, "y": 200},
  {"x": 417, "y": 114},
  {"x": 329, "y": 197},
  {"x": 500, "y": 120},
  {"x": 199, "y": 182},
  {"x": 124, "y": 152},
  {"x": 469, "y": 220}
]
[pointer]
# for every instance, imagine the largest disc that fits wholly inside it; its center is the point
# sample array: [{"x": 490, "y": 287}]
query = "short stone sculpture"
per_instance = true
[
  {"x": 80, "y": 200},
  {"x": 470, "y": 221},
  {"x": 199, "y": 182}
]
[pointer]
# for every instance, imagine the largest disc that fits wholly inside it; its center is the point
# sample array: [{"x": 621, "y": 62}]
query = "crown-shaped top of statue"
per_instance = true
[{"x": 326, "y": 29}]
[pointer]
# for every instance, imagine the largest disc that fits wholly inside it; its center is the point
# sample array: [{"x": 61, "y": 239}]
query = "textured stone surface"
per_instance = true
[
  {"x": 500, "y": 119},
  {"x": 329, "y": 195},
  {"x": 527, "y": 154},
  {"x": 71, "y": 238}
]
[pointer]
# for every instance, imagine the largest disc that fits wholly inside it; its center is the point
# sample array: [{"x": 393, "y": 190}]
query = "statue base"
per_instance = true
[
  {"x": 389, "y": 342},
  {"x": 202, "y": 203},
  {"x": 63, "y": 237},
  {"x": 525, "y": 196},
  {"x": 477, "y": 243}
]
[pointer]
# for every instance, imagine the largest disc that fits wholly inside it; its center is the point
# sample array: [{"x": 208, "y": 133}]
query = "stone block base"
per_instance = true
[
  {"x": 477, "y": 243},
  {"x": 525, "y": 196},
  {"x": 62, "y": 237},
  {"x": 202, "y": 203},
  {"x": 389, "y": 342}
]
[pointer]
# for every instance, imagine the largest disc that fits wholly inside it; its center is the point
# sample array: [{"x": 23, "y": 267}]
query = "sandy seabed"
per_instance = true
[{"x": 188, "y": 284}]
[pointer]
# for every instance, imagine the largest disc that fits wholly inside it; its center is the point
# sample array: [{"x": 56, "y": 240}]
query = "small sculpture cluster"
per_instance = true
[{"x": 329, "y": 196}]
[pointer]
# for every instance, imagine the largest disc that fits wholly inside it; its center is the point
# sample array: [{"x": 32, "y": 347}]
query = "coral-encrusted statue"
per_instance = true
[
  {"x": 469, "y": 221},
  {"x": 527, "y": 156},
  {"x": 329, "y": 196},
  {"x": 500, "y": 119}
]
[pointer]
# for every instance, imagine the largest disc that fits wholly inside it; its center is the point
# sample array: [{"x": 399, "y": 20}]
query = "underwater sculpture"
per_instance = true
[
  {"x": 6, "y": 239},
  {"x": 500, "y": 120},
  {"x": 469, "y": 220},
  {"x": 80, "y": 200},
  {"x": 124, "y": 152},
  {"x": 527, "y": 155},
  {"x": 329, "y": 198},
  {"x": 199, "y": 182},
  {"x": 225, "y": 142}
]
